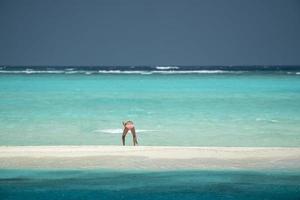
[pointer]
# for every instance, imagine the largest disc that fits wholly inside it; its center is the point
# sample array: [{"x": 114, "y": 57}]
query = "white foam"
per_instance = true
[
  {"x": 119, "y": 131},
  {"x": 45, "y": 72},
  {"x": 267, "y": 120},
  {"x": 146, "y": 73},
  {"x": 193, "y": 72},
  {"x": 294, "y": 73},
  {"x": 166, "y": 67},
  {"x": 31, "y": 72},
  {"x": 71, "y": 72},
  {"x": 120, "y": 72},
  {"x": 167, "y": 72}
]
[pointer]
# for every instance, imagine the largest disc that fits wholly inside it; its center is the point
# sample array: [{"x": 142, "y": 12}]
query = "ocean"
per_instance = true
[
  {"x": 170, "y": 105},
  {"x": 175, "y": 185}
]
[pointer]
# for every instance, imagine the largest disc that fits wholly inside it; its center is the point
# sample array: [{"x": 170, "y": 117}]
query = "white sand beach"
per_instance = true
[{"x": 148, "y": 157}]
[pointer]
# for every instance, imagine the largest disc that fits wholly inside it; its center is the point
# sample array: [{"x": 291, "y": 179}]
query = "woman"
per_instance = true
[{"x": 129, "y": 126}]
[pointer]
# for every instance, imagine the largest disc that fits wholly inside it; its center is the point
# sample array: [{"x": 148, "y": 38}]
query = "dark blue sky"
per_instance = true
[{"x": 149, "y": 32}]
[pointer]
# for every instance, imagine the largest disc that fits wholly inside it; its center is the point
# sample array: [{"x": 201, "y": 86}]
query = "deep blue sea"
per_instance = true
[
  {"x": 142, "y": 185},
  {"x": 170, "y": 105}
]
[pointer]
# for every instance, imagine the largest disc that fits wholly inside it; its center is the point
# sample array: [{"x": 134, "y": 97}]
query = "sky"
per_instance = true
[{"x": 149, "y": 32}]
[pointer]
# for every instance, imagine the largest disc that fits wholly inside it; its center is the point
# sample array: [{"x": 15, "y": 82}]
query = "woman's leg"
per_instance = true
[
  {"x": 134, "y": 136},
  {"x": 125, "y": 131}
]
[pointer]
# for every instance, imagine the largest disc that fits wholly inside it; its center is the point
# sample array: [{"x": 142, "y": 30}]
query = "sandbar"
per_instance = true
[{"x": 148, "y": 157}]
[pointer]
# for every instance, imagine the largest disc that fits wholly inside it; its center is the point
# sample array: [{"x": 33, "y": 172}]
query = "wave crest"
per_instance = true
[
  {"x": 116, "y": 72},
  {"x": 166, "y": 67}
]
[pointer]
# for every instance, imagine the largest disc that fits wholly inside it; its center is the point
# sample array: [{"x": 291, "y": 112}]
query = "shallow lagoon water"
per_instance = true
[
  {"x": 108, "y": 184},
  {"x": 230, "y": 109}
]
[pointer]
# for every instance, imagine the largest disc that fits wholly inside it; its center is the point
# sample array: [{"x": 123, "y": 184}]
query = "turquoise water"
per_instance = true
[
  {"x": 176, "y": 185},
  {"x": 247, "y": 109}
]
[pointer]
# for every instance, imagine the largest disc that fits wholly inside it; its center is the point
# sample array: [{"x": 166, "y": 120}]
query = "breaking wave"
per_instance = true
[
  {"x": 117, "y": 72},
  {"x": 166, "y": 67},
  {"x": 147, "y": 70}
]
